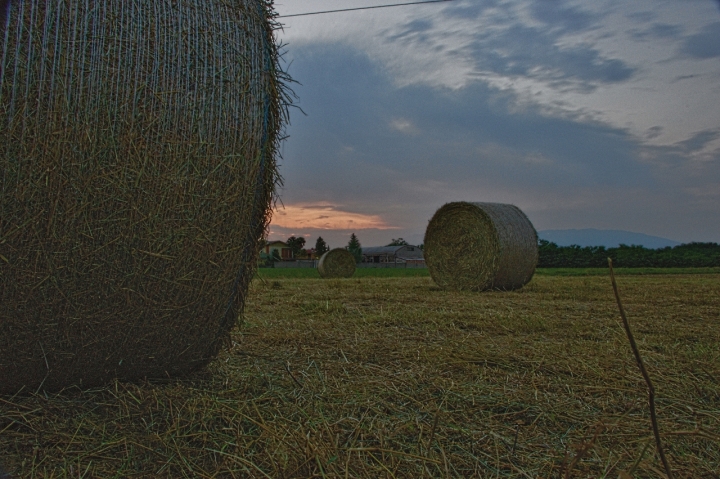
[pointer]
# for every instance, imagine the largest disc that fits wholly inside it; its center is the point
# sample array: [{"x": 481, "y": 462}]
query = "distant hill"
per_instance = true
[{"x": 607, "y": 238}]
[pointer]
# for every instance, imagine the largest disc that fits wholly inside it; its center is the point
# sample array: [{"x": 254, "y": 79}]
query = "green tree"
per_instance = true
[
  {"x": 398, "y": 242},
  {"x": 354, "y": 247},
  {"x": 296, "y": 245},
  {"x": 321, "y": 247},
  {"x": 274, "y": 257}
]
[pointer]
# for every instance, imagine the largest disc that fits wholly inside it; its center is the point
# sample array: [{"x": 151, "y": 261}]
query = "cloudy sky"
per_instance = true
[{"x": 601, "y": 114}]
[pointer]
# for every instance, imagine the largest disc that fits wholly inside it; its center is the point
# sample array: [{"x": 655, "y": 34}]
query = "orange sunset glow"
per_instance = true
[{"x": 325, "y": 216}]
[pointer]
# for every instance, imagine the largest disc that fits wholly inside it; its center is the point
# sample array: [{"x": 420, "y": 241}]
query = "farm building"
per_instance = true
[
  {"x": 281, "y": 247},
  {"x": 404, "y": 254}
]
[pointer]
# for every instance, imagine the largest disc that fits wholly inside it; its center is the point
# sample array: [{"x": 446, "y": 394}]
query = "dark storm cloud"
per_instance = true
[
  {"x": 474, "y": 143},
  {"x": 534, "y": 53},
  {"x": 699, "y": 140},
  {"x": 657, "y": 31},
  {"x": 347, "y": 145},
  {"x": 418, "y": 26},
  {"x": 688, "y": 163},
  {"x": 642, "y": 17},
  {"x": 684, "y": 77},
  {"x": 415, "y": 30},
  {"x": 470, "y": 10},
  {"x": 514, "y": 48},
  {"x": 653, "y": 132},
  {"x": 705, "y": 44},
  {"x": 557, "y": 15},
  {"x": 370, "y": 146}
]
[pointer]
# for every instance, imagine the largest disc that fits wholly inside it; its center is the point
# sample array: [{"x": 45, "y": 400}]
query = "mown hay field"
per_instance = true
[{"x": 393, "y": 377}]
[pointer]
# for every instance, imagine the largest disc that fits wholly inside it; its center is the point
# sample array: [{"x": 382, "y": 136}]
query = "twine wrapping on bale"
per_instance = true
[
  {"x": 138, "y": 146},
  {"x": 336, "y": 263},
  {"x": 480, "y": 246}
]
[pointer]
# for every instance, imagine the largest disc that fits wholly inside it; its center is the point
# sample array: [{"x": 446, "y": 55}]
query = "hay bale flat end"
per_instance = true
[
  {"x": 337, "y": 263},
  {"x": 480, "y": 246}
]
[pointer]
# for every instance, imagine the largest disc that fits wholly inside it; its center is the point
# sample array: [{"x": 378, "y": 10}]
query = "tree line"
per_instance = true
[{"x": 688, "y": 255}]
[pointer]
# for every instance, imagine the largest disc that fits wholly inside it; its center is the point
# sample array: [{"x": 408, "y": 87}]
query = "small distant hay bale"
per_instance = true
[
  {"x": 480, "y": 246},
  {"x": 138, "y": 145},
  {"x": 337, "y": 263}
]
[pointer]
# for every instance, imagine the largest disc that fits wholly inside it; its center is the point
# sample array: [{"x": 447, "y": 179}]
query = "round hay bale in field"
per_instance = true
[
  {"x": 138, "y": 146},
  {"x": 480, "y": 246},
  {"x": 337, "y": 263}
]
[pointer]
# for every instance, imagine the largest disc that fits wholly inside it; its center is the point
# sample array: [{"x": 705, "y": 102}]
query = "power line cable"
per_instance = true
[{"x": 362, "y": 8}]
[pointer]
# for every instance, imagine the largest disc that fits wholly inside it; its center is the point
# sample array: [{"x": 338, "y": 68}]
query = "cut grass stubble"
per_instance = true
[{"x": 393, "y": 377}]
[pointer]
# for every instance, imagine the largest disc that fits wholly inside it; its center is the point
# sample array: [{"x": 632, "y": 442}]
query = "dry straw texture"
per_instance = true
[
  {"x": 480, "y": 246},
  {"x": 395, "y": 378},
  {"x": 137, "y": 151},
  {"x": 337, "y": 263}
]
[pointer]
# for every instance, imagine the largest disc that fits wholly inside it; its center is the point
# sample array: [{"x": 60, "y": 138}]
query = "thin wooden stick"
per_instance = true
[
  {"x": 638, "y": 359},
  {"x": 432, "y": 431},
  {"x": 287, "y": 368}
]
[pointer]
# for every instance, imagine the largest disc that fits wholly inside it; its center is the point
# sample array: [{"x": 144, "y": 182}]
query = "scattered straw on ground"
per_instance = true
[{"x": 393, "y": 377}]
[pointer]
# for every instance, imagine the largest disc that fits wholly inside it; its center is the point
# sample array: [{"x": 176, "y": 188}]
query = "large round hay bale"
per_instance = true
[
  {"x": 480, "y": 246},
  {"x": 336, "y": 263},
  {"x": 138, "y": 148}
]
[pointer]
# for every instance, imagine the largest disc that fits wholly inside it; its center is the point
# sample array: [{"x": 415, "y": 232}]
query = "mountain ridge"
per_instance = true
[{"x": 607, "y": 238}]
